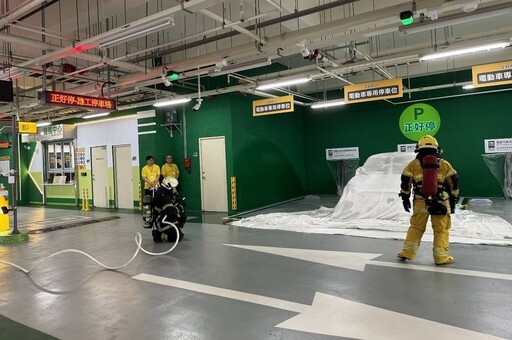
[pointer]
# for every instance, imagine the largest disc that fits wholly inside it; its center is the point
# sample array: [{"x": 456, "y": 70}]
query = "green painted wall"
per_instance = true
[
  {"x": 465, "y": 123},
  {"x": 278, "y": 157},
  {"x": 213, "y": 119},
  {"x": 268, "y": 154},
  {"x": 265, "y": 153}
]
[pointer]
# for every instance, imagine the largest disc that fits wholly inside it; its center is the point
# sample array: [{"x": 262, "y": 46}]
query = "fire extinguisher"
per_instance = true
[{"x": 187, "y": 164}]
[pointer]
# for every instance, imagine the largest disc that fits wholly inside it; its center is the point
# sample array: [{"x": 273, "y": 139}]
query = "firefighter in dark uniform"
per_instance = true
[
  {"x": 435, "y": 190},
  {"x": 169, "y": 208}
]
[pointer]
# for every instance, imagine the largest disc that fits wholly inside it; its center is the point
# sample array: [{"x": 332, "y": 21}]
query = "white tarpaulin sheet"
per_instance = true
[{"x": 370, "y": 207}]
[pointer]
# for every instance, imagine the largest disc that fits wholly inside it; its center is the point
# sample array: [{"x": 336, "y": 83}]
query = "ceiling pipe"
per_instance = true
[
  {"x": 39, "y": 30},
  {"x": 94, "y": 41},
  {"x": 85, "y": 56},
  {"x": 200, "y": 34},
  {"x": 19, "y": 11},
  {"x": 271, "y": 47},
  {"x": 263, "y": 24},
  {"x": 330, "y": 28},
  {"x": 132, "y": 79},
  {"x": 237, "y": 28},
  {"x": 274, "y": 4}
]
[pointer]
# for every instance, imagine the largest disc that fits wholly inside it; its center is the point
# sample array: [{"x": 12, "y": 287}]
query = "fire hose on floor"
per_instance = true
[{"x": 138, "y": 241}]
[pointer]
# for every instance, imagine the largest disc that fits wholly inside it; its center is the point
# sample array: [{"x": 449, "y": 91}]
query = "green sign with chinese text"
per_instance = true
[{"x": 418, "y": 120}]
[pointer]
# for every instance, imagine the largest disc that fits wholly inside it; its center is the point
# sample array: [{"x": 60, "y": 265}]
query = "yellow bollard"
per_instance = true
[
  {"x": 140, "y": 197},
  {"x": 86, "y": 200},
  {"x": 83, "y": 200},
  {"x": 4, "y": 219},
  {"x": 234, "y": 202}
]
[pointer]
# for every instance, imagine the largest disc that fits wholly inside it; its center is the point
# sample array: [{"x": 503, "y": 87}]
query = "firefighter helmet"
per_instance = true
[
  {"x": 427, "y": 142},
  {"x": 169, "y": 182}
]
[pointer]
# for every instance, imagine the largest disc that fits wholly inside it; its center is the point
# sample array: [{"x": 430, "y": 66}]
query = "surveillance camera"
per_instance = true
[
  {"x": 198, "y": 105},
  {"x": 166, "y": 81}
]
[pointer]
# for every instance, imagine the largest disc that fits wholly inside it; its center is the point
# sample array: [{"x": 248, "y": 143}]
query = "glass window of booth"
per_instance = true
[{"x": 59, "y": 162}]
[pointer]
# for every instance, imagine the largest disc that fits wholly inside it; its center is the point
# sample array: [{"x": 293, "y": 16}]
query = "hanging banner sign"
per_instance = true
[
  {"x": 342, "y": 153},
  {"x": 492, "y": 74},
  {"x": 76, "y": 100},
  {"x": 272, "y": 106},
  {"x": 374, "y": 90},
  {"x": 27, "y": 127},
  {"x": 498, "y": 145}
]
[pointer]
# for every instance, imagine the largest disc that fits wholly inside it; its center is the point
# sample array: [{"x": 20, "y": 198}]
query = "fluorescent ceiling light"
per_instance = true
[
  {"x": 12, "y": 73},
  {"x": 468, "y": 87},
  {"x": 130, "y": 31},
  {"x": 461, "y": 51},
  {"x": 240, "y": 67},
  {"x": 282, "y": 83},
  {"x": 43, "y": 123},
  {"x": 95, "y": 115},
  {"x": 172, "y": 102},
  {"x": 459, "y": 18},
  {"x": 329, "y": 103},
  {"x": 105, "y": 120}
]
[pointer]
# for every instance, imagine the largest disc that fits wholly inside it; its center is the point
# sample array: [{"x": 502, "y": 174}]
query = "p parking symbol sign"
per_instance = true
[{"x": 418, "y": 120}]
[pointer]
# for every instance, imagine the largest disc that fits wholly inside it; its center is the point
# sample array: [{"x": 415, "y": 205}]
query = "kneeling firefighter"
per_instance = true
[
  {"x": 435, "y": 185},
  {"x": 169, "y": 208}
]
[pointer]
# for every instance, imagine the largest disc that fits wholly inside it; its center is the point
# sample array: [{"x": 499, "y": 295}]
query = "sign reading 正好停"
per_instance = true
[
  {"x": 342, "y": 153},
  {"x": 374, "y": 90},
  {"x": 272, "y": 106},
  {"x": 69, "y": 99},
  {"x": 418, "y": 120},
  {"x": 498, "y": 145},
  {"x": 406, "y": 147},
  {"x": 492, "y": 74}
]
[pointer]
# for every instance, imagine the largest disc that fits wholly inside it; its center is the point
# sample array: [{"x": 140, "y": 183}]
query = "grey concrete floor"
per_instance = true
[{"x": 70, "y": 297}]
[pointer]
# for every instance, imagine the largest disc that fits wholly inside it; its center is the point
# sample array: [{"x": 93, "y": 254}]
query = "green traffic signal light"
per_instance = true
[
  {"x": 173, "y": 75},
  {"x": 406, "y": 17}
]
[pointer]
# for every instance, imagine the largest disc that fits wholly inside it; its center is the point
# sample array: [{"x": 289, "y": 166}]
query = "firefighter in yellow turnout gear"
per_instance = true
[{"x": 435, "y": 190}]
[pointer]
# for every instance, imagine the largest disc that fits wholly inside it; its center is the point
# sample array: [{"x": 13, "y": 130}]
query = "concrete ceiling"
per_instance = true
[{"x": 358, "y": 39}]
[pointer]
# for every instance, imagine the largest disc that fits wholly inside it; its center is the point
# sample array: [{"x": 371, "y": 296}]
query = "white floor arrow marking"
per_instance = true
[
  {"x": 358, "y": 261},
  {"x": 335, "y": 316}
]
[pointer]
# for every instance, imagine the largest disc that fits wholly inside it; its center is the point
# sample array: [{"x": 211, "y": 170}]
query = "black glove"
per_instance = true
[
  {"x": 453, "y": 201},
  {"x": 405, "y": 201}
]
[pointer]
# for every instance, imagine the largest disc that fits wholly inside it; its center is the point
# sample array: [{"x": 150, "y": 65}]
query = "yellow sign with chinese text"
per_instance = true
[
  {"x": 373, "y": 90},
  {"x": 27, "y": 127},
  {"x": 492, "y": 74},
  {"x": 272, "y": 106}
]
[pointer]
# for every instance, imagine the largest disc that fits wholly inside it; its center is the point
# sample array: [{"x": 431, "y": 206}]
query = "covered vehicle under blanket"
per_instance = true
[{"x": 167, "y": 209}]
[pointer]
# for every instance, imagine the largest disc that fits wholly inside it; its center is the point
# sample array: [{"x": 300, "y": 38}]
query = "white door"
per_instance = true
[
  {"x": 212, "y": 154},
  {"x": 123, "y": 179},
  {"x": 99, "y": 176}
]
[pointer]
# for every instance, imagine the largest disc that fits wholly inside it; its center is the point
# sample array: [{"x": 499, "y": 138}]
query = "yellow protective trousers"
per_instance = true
[{"x": 440, "y": 224}]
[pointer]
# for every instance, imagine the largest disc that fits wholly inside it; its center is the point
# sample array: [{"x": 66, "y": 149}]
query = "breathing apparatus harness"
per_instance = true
[{"x": 429, "y": 188}]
